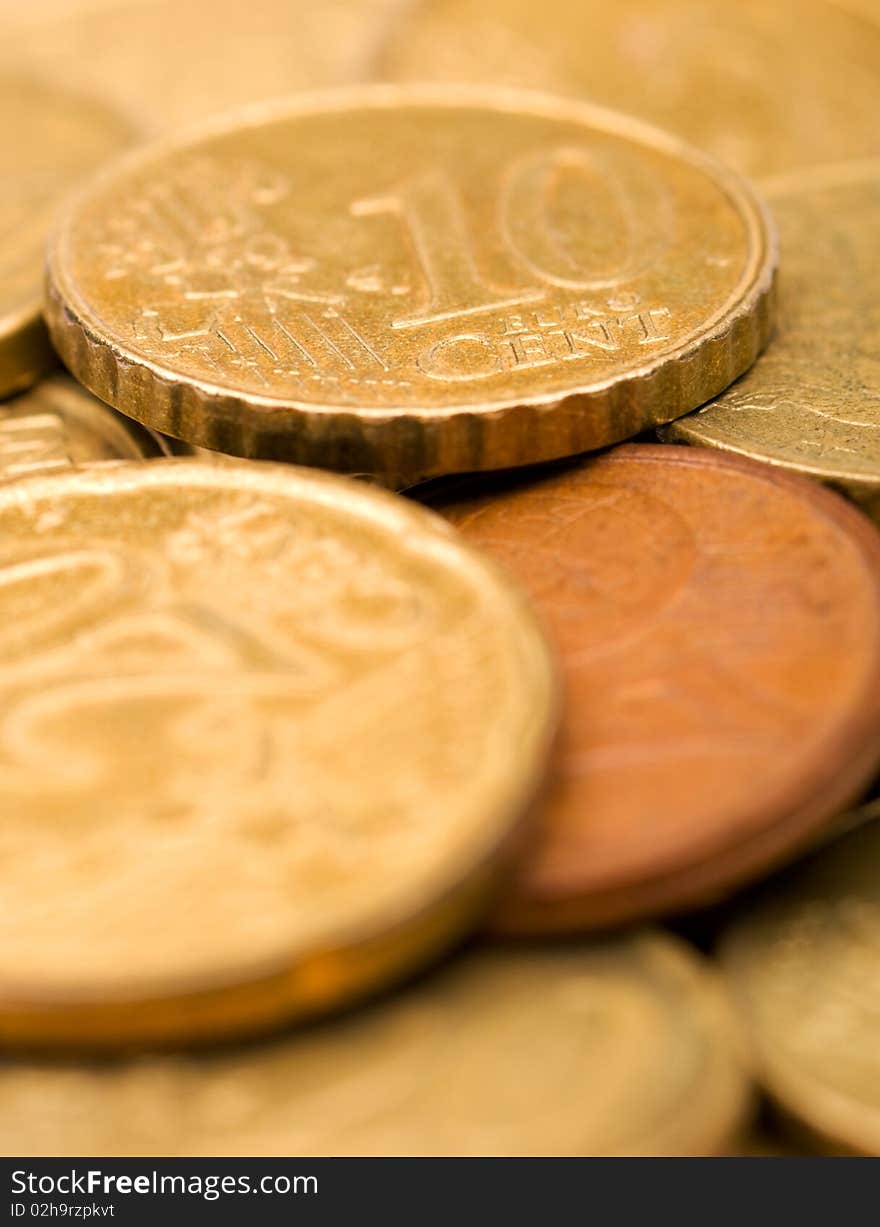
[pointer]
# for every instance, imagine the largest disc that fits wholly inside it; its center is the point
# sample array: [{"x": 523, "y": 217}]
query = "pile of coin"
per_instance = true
[{"x": 506, "y": 809}]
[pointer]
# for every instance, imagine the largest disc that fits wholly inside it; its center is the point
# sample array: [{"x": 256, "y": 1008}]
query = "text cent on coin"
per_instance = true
[
  {"x": 636, "y": 1052},
  {"x": 719, "y": 625},
  {"x": 50, "y": 141},
  {"x": 266, "y": 736},
  {"x": 801, "y": 961},
  {"x": 413, "y": 282}
]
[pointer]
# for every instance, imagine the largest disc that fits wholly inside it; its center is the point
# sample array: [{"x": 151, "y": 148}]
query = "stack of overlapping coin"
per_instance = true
[{"x": 274, "y": 741}]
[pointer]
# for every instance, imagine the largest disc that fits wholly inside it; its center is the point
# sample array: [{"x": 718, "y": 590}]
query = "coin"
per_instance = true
[
  {"x": 266, "y": 738},
  {"x": 58, "y": 425},
  {"x": 719, "y": 627},
  {"x": 801, "y": 962},
  {"x": 410, "y": 283},
  {"x": 166, "y": 63},
  {"x": 813, "y": 403},
  {"x": 637, "y": 1056},
  {"x": 50, "y": 139},
  {"x": 764, "y": 85}
]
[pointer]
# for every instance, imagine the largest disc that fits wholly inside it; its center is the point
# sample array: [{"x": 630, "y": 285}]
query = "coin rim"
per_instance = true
[
  {"x": 26, "y": 351},
  {"x": 821, "y": 1108},
  {"x": 734, "y": 852},
  {"x": 343, "y": 964},
  {"x": 542, "y": 426}
]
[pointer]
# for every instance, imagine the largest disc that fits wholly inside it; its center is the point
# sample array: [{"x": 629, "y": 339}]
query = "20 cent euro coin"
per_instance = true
[{"x": 266, "y": 736}]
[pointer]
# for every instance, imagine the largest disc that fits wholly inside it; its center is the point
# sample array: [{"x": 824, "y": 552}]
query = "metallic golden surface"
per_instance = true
[
  {"x": 50, "y": 140},
  {"x": 765, "y": 85},
  {"x": 166, "y": 63},
  {"x": 265, "y": 737},
  {"x": 622, "y": 1048},
  {"x": 57, "y": 425},
  {"x": 412, "y": 282},
  {"x": 801, "y": 962},
  {"x": 812, "y": 403}
]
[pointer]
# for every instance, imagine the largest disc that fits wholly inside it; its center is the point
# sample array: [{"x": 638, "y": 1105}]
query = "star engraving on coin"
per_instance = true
[{"x": 480, "y": 295}]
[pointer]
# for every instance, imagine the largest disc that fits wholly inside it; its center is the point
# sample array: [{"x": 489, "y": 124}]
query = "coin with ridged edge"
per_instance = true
[
  {"x": 636, "y": 1047},
  {"x": 801, "y": 961},
  {"x": 413, "y": 282},
  {"x": 51, "y": 140},
  {"x": 267, "y": 736}
]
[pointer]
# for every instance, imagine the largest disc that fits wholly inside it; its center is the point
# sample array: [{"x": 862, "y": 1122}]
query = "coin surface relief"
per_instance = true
[
  {"x": 718, "y": 624},
  {"x": 812, "y": 404},
  {"x": 266, "y": 736},
  {"x": 801, "y": 963},
  {"x": 412, "y": 282},
  {"x": 638, "y": 1057},
  {"x": 58, "y": 425}
]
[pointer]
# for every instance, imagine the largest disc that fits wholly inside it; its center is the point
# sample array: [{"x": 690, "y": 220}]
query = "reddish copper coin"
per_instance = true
[{"x": 719, "y": 627}]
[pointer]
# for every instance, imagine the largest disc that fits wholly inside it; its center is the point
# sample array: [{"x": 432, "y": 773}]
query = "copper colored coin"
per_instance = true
[{"x": 719, "y": 626}]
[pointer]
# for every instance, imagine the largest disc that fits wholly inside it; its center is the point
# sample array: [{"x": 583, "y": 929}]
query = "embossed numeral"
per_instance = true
[
  {"x": 432, "y": 212},
  {"x": 543, "y": 202}
]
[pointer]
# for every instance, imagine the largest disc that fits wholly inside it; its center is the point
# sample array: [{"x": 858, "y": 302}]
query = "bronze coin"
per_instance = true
[{"x": 719, "y": 626}]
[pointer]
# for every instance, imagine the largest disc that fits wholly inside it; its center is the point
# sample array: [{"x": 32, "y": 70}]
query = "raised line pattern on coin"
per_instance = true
[
  {"x": 266, "y": 737},
  {"x": 636, "y": 1057},
  {"x": 719, "y": 628},
  {"x": 410, "y": 283},
  {"x": 58, "y": 425}
]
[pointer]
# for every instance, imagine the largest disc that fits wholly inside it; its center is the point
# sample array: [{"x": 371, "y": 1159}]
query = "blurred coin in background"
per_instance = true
[
  {"x": 58, "y": 425},
  {"x": 765, "y": 85},
  {"x": 802, "y": 964},
  {"x": 620, "y": 1048},
  {"x": 719, "y": 628},
  {"x": 267, "y": 736},
  {"x": 407, "y": 283},
  {"x": 51, "y": 139},
  {"x": 812, "y": 403},
  {"x": 167, "y": 63}
]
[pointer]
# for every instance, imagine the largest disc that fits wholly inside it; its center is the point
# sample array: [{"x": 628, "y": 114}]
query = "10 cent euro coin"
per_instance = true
[{"x": 412, "y": 282}]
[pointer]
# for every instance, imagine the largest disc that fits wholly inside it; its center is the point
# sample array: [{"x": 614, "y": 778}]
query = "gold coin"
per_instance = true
[
  {"x": 169, "y": 62},
  {"x": 812, "y": 404},
  {"x": 616, "y": 1049},
  {"x": 50, "y": 140},
  {"x": 802, "y": 963},
  {"x": 764, "y": 85},
  {"x": 266, "y": 737},
  {"x": 409, "y": 283},
  {"x": 57, "y": 425}
]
